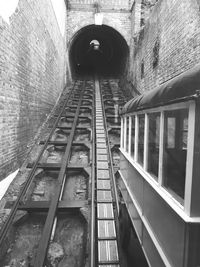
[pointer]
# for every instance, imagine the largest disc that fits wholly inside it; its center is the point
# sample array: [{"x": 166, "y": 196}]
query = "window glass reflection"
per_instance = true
[
  {"x": 153, "y": 144},
  {"x": 133, "y": 137},
  {"x": 175, "y": 150},
  {"x": 141, "y": 120}
]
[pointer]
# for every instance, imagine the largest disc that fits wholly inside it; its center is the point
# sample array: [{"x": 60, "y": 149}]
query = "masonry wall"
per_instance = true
[
  {"x": 77, "y": 19},
  {"x": 167, "y": 44},
  {"x": 32, "y": 76}
]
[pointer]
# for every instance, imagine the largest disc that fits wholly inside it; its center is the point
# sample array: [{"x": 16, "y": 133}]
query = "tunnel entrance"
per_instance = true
[{"x": 98, "y": 49}]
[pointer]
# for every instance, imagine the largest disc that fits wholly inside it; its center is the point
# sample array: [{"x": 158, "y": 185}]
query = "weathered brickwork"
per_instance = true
[
  {"x": 172, "y": 34},
  {"x": 104, "y": 4},
  {"x": 32, "y": 69},
  {"x": 119, "y": 21},
  {"x": 164, "y": 40},
  {"x": 77, "y": 20}
]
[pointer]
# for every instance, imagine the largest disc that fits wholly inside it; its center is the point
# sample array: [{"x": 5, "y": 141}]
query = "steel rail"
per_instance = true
[
  {"x": 112, "y": 255},
  {"x": 13, "y": 211},
  {"x": 110, "y": 157},
  {"x": 93, "y": 186},
  {"x": 46, "y": 234}
]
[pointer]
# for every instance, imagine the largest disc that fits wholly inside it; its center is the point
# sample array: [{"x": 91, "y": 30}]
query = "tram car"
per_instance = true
[{"x": 159, "y": 176}]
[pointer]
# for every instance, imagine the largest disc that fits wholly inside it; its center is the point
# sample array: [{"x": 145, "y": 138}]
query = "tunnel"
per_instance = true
[{"x": 98, "y": 49}]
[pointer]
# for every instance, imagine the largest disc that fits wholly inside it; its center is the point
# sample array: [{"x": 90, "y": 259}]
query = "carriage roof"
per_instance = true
[{"x": 183, "y": 87}]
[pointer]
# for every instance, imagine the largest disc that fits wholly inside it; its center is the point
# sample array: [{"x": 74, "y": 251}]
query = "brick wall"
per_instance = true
[
  {"x": 120, "y": 21},
  {"x": 32, "y": 70},
  {"x": 80, "y": 18},
  {"x": 171, "y": 36},
  {"x": 104, "y": 4}
]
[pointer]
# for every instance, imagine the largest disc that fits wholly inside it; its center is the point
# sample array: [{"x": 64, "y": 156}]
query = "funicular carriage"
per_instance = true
[{"x": 159, "y": 173}]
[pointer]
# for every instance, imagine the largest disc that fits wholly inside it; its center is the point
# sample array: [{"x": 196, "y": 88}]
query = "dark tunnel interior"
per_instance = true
[{"x": 98, "y": 50}]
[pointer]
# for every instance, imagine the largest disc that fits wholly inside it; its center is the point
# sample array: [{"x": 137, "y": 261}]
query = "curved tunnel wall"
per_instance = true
[{"x": 109, "y": 59}]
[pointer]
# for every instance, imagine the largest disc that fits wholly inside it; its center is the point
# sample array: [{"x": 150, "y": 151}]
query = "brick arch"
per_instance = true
[
  {"x": 114, "y": 51},
  {"x": 120, "y": 22},
  {"x": 81, "y": 29}
]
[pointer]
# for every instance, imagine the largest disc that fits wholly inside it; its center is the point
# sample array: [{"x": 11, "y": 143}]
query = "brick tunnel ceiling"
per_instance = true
[{"x": 109, "y": 59}]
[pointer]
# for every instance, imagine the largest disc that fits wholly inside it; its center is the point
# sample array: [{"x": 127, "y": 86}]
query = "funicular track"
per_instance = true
[
  {"x": 66, "y": 212},
  {"x": 107, "y": 208}
]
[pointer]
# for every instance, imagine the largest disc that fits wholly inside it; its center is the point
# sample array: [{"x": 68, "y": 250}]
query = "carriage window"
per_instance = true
[
  {"x": 141, "y": 139},
  {"x": 171, "y": 132},
  {"x": 153, "y": 144},
  {"x": 127, "y": 134},
  {"x": 175, "y": 149},
  {"x": 184, "y": 133},
  {"x": 133, "y": 137}
]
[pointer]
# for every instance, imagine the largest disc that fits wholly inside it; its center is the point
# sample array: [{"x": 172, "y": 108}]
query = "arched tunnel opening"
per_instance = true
[{"x": 98, "y": 50}]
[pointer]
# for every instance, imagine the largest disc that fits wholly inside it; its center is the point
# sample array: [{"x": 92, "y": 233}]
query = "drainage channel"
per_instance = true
[
  {"x": 108, "y": 254},
  {"x": 49, "y": 223}
]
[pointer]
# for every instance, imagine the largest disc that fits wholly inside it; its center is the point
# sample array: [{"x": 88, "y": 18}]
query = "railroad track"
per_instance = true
[{"x": 66, "y": 212}]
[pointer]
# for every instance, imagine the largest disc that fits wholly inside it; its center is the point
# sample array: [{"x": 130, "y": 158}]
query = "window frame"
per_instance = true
[
  {"x": 127, "y": 142},
  {"x": 137, "y": 144},
  {"x": 169, "y": 197},
  {"x": 125, "y": 128},
  {"x": 176, "y": 141},
  {"x": 147, "y": 144},
  {"x": 131, "y": 118},
  {"x": 122, "y": 132},
  {"x": 129, "y": 136}
]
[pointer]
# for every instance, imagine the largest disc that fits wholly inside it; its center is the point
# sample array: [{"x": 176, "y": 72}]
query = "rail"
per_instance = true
[
  {"x": 101, "y": 199},
  {"x": 93, "y": 193},
  {"x": 106, "y": 233},
  {"x": 10, "y": 218},
  {"x": 44, "y": 241}
]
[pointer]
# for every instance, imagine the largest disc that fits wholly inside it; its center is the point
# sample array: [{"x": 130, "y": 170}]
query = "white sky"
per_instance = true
[
  {"x": 8, "y": 7},
  {"x": 6, "y": 182},
  {"x": 60, "y": 11}
]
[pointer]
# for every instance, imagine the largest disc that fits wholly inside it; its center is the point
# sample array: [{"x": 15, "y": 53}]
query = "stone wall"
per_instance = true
[
  {"x": 166, "y": 44},
  {"x": 32, "y": 76}
]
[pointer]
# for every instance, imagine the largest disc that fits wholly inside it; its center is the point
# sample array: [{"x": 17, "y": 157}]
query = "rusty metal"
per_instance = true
[
  {"x": 57, "y": 204},
  {"x": 10, "y": 218},
  {"x": 44, "y": 241},
  {"x": 31, "y": 206}
]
